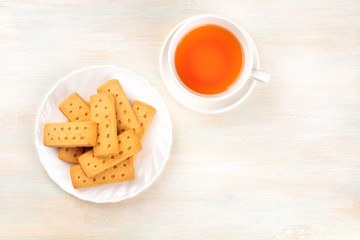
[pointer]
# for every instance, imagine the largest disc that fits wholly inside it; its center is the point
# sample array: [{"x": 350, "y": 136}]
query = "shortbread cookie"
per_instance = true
[
  {"x": 145, "y": 114},
  {"x": 70, "y": 134},
  {"x": 103, "y": 112},
  {"x": 70, "y": 154},
  {"x": 75, "y": 108},
  {"x": 129, "y": 145},
  {"x": 123, "y": 171},
  {"x": 126, "y": 118}
]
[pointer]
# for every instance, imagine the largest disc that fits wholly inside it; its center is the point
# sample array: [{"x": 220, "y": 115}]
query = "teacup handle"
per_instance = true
[{"x": 260, "y": 76}]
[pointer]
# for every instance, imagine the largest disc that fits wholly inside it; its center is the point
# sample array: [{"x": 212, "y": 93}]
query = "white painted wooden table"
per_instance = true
[{"x": 285, "y": 164}]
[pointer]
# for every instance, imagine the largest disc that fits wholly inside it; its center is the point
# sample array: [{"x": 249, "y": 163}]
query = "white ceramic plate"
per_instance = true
[
  {"x": 156, "y": 146},
  {"x": 198, "y": 104}
]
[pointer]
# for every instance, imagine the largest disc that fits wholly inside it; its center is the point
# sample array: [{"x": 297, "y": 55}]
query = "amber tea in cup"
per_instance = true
[{"x": 209, "y": 59}]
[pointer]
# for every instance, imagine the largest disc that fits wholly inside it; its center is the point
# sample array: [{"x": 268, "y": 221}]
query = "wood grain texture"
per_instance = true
[{"x": 285, "y": 164}]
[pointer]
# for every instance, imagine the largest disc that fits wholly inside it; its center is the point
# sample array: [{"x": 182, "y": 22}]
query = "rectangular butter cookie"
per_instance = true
[
  {"x": 75, "y": 109},
  {"x": 70, "y": 134},
  {"x": 129, "y": 145},
  {"x": 145, "y": 114},
  {"x": 103, "y": 112},
  {"x": 126, "y": 118},
  {"x": 124, "y": 172}
]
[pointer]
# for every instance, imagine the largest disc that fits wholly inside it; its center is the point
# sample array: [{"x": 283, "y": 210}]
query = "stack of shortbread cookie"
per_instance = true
[{"x": 102, "y": 138}]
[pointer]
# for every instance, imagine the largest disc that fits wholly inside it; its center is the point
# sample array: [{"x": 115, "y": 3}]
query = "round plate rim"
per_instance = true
[{"x": 146, "y": 186}]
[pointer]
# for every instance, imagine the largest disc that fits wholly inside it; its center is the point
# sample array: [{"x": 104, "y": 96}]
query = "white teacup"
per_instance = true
[{"x": 246, "y": 72}]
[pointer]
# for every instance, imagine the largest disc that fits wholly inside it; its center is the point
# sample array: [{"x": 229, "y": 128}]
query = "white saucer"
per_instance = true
[{"x": 203, "y": 105}]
